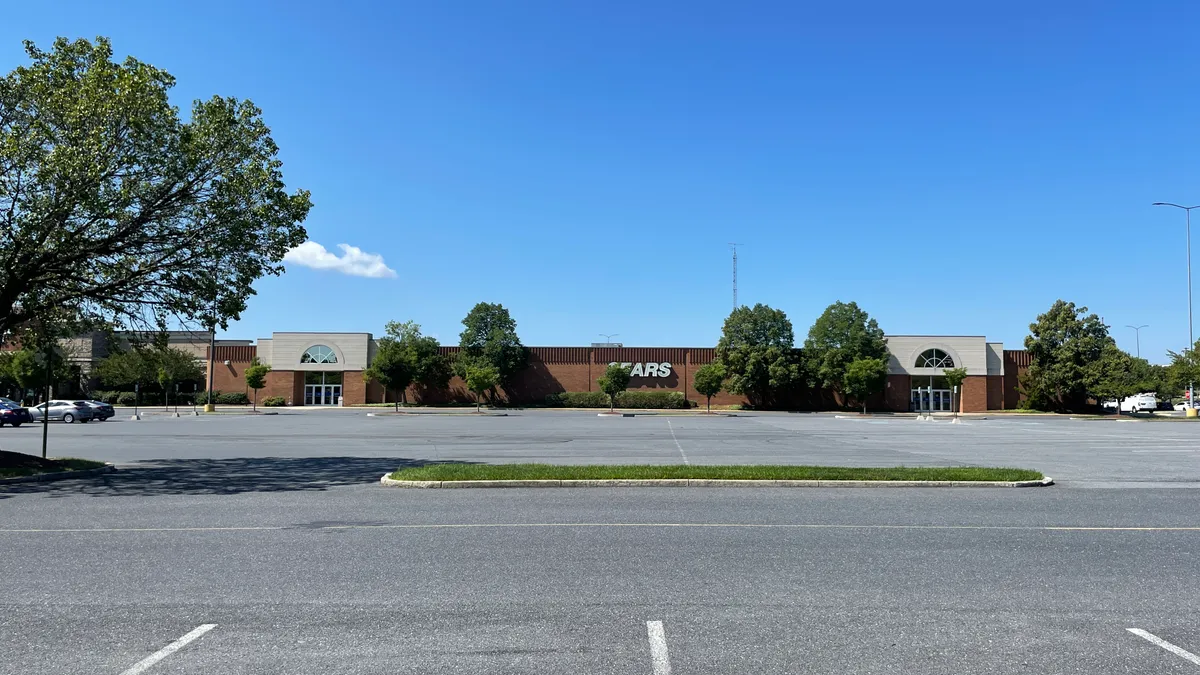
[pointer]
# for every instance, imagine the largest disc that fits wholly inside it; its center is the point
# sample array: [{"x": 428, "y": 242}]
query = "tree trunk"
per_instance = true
[
  {"x": 708, "y": 405},
  {"x": 255, "y": 408},
  {"x": 477, "y": 402},
  {"x": 864, "y": 407}
]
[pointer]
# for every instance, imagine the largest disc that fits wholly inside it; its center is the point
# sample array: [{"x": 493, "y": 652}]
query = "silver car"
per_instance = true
[{"x": 67, "y": 411}]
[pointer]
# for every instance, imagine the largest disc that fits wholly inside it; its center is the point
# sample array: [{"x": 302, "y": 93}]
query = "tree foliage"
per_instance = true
[
  {"x": 256, "y": 377},
  {"x": 757, "y": 350},
  {"x": 148, "y": 364},
  {"x": 614, "y": 381},
  {"x": 1113, "y": 376},
  {"x": 1064, "y": 344},
  {"x": 115, "y": 207},
  {"x": 1184, "y": 369},
  {"x": 709, "y": 380},
  {"x": 480, "y": 379},
  {"x": 843, "y": 334},
  {"x": 407, "y": 357},
  {"x": 490, "y": 338},
  {"x": 863, "y": 378}
]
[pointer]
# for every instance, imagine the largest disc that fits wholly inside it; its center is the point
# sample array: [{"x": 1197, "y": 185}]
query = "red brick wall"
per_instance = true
[
  {"x": 354, "y": 389},
  {"x": 230, "y": 378},
  {"x": 286, "y": 383},
  {"x": 897, "y": 396},
  {"x": 974, "y": 394},
  {"x": 995, "y": 392}
]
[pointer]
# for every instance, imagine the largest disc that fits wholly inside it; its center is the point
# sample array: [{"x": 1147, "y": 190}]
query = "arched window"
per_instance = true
[
  {"x": 934, "y": 358},
  {"x": 319, "y": 354}
]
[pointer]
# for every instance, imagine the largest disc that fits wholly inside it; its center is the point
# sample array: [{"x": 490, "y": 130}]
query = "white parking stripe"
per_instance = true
[
  {"x": 685, "y": 459},
  {"x": 658, "y": 648},
  {"x": 144, "y": 664},
  {"x": 1178, "y": 651}
]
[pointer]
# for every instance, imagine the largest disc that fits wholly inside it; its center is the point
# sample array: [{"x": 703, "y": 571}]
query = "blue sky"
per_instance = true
[{"x": 952, "y": 167}]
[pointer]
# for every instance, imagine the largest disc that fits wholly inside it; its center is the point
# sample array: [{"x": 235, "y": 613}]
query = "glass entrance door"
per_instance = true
[
  {"x": 926, "y": 400},
  {"x": 322, "y": 394}
]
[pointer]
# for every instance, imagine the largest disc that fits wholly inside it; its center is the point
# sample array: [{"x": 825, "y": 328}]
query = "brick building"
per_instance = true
[{"x": 325, "y": 368}]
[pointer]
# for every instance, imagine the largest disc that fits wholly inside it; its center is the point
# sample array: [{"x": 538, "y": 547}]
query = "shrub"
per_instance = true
[
  {"x": 673, "y": 400},
  {"x": 628, "y": 399},
  {"x": 273, "y": 401},
  {"x": 126, "y": 398},
  {"x": 232, "y": 398},
  {"x": 105, "y": 396}
]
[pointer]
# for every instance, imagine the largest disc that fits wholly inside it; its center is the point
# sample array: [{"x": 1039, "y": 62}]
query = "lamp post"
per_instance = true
[
  {"x": 608, "y": 336},
  {"x": 1138, "y": 333},
  {"x": 1191, "y": 339}
]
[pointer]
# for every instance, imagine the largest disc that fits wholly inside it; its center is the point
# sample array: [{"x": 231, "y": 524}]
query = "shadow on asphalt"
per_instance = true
[{"x": 223, "y": 476}]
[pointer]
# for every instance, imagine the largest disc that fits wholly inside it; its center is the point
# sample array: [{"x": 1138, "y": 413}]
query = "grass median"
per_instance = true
[
  {"x": 16, "y": 464},
  {"x": 457, "y": 472}
]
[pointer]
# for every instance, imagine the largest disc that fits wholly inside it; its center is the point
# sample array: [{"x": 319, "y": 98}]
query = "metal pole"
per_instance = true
[
  {"x": 212, "y": 353},
  {"x": 1191, "y": 340},
  {"x": 46, "y": 412}
]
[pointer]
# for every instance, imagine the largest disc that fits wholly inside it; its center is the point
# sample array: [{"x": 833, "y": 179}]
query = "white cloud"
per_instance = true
[{"x": 352, "y": 261}]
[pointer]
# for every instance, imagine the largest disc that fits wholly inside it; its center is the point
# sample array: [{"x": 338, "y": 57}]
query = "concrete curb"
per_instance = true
[
  {"x": 701, "y": 482},
  {"x": 59, "y": 475},
  {"x": 427, "y": 414}
]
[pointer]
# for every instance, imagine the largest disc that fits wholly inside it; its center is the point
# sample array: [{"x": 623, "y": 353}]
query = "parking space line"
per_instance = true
[
  {"x": 143, "y": 665},
  {"x": 685, "y": 459},
  {"x": 1178, "y": 651},
  {"x": 658, "y": 648}
]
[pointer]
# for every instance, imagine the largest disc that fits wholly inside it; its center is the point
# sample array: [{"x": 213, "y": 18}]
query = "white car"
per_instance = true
[{"x": 1135, "y": 403}]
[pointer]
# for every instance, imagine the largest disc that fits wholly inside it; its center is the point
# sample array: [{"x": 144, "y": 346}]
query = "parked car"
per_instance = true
[
  {"x": 100, "y": 410},
  {"x": 1135, "y": 403},
  {"x": 12, "y": 413},
  {"x": 1181, "y": 406},
  {"x": 67, "y": 411}
]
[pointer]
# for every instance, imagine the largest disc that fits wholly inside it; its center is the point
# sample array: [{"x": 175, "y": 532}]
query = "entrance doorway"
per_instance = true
[
  {"x": 930, "y": 394},
  {"x": 322, "y": 394},
  {"x": 322, "y": 388},
  {"x": 937, "y": 400}
]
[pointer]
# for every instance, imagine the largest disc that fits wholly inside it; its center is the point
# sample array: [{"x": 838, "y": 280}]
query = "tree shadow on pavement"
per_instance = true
[{"x": 223, "y": 476}]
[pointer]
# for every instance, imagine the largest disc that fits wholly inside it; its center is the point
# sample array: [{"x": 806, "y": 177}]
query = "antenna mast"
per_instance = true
[{"x": 734, "y": 247}]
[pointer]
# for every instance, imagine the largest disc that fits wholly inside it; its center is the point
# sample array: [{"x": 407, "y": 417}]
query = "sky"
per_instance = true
[{"x": 952, "y": 167}]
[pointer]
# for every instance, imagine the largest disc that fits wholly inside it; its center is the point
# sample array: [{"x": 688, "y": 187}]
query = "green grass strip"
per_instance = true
[
  {"x": 455, "y": 471},
  {"x": 49, "y": 466}
]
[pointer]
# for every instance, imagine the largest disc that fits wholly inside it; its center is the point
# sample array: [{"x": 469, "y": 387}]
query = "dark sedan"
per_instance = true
[
  {"x": 14, "y": 415},
  {"x": 100, "y": 410}
]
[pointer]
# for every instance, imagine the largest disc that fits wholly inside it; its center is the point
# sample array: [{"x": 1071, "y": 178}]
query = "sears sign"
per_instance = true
[{"x": 646, "y": 369}]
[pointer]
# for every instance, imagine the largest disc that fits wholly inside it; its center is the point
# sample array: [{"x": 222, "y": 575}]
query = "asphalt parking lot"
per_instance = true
[
  {"x": 239, "y": 544},
  {"x": 1077, "y": 453}
]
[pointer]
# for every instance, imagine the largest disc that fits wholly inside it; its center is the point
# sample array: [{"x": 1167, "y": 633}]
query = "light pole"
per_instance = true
[
  {"x": 1138, "y": 332},
  {"x": 608, "y": 336},
  {"x": 1191, "y": 339}
]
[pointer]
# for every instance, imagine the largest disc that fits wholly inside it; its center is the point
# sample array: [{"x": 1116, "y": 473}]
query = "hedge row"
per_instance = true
[
  {"x": 273, "y": 401},
  {"x": 629, "y": 399}
]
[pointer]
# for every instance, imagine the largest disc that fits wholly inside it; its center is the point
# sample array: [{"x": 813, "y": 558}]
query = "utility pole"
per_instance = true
[
  {"x": 734, "y": 246},
  {"x": 1191, "y": 338}
]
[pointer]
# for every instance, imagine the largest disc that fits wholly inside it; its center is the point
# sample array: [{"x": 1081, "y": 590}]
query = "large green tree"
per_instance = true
[
  {"x": 1113, "y": 376},
  {"x": 843, "y": 334},
  {"x": 490, "y": 338},
  {"x": 407, "y": 357},
  {"x": 1184, "y": 369},
  {"x": 863, "y": 378},
  {"x": 1064, "y": 344},
  {"x": 758, "y": 352},
  {"x": 115, "y": 206}
]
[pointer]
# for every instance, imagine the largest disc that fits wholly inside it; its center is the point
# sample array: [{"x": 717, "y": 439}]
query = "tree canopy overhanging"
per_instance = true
[{"x": 115, "y": 209}]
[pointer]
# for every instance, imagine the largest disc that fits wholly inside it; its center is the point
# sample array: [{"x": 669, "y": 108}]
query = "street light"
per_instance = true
[
  {"x": 608, "y": 336},
  {"x": 1191, "y": 339},
  {"x": 1138, "y": 333}
]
